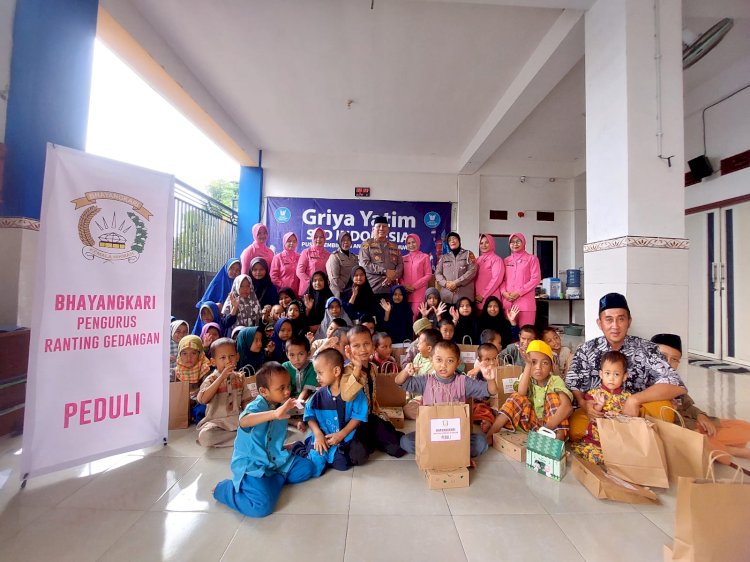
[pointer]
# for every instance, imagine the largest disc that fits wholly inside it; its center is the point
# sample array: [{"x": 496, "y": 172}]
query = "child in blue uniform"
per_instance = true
[
  {"x": 260, "y": 464},
  {"x": 333, "y": 422}
]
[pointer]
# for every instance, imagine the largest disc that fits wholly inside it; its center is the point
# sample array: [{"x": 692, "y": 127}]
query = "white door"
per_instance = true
[
  {"x": 718, "y": 260},
  {"x": 704, "y": 289}
]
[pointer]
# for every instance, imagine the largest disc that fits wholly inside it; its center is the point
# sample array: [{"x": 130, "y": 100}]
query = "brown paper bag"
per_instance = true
[
  {"x": 179, "y": 405},
  {"x": 442, "y": 437},
  {"x": 711, "y": 519},
  {"x": 633, "y": 450},
  {"x": 506, "y": 376},
  {"x": 686, "y": 450},
  {"x": 468, "y": 354},
  {"x": 605, "y": 486},
  {"x": 387, "y": 392}
]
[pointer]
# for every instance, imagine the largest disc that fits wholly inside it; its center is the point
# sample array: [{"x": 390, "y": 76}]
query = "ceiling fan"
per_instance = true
[{"x": 694, "y": 48}]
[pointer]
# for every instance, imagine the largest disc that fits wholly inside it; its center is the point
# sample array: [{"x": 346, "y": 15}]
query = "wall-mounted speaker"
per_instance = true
[{"x": 700, "y": 167}]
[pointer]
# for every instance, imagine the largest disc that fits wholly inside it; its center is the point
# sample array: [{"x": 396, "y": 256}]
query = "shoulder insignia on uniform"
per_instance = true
[{"x": 472, "y": 257}]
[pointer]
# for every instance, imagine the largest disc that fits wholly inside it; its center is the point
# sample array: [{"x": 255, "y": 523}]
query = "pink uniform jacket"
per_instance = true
[
  {"x": 522, "y": 275},
  {"x": 284, "y": 267},
  {"x": 311, "y": 259},
  {"x": 255, "y": 250},
  {"x": 490, "y": 272},
  {"x": 417, "y": 271}
]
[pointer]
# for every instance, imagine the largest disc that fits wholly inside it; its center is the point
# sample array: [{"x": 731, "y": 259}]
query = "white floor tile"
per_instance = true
[
  {"x": 394, "y": 488},
  {"x": 329, "y": 494},
  {"x": 431, "y": 538},
  {"x": 193, "y": 492},
  {"x": 284, "y": 537},
  {"x": 509, "y": 537},
  {"x": 176, "y": 536},
  {"x": 494, "y": 489},
  {"x": 136, "y": 484},
  {"x": 614, "y": 537},
  {"x": 69, "y": 534}
]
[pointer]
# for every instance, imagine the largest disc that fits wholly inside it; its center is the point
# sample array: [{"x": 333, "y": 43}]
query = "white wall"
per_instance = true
[{"x": 7, "y": 10}]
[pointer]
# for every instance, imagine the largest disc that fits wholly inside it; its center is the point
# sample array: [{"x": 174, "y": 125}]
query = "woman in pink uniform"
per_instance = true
[
  {"x": 284, "y": 264},
  {"x": 257, "y": 249},
  {"x": 522, "y": 275},
  {"x": 417, "y": 273},
  {"x": 490, "y": 271},
  {"x": 312, "y": 259}
]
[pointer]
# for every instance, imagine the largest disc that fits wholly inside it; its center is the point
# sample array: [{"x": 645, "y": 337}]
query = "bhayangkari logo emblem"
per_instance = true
[{"x": 113, "y": 229}]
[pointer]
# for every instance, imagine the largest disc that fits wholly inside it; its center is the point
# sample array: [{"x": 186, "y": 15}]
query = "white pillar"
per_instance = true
[
  {"x": 468, "y": 211},
  {"x": 635, "y": 201}
]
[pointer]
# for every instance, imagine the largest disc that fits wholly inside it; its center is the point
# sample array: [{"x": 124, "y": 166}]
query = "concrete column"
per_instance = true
[
  {"x": 249, "y": 205},
  {"x": 634, "y": 198},
  {"x": 468, "y": 212},
  {"x": 48, "y": 101}
]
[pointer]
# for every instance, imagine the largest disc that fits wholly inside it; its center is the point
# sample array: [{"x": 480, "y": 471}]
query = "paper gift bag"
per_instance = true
[
  {"x": 605, "y": 486},
  {"x": 387, "y": 393},
  {"x": 711, "y": 519},
  {"x": 468, "y": 354},
  {"x": 179, "y": 404},
  {"x": 633, "y": 450},
  {"x": 505, "y": 378},
  {"x": 442, "y": 436},
  {"x": 686, "y": 450}
]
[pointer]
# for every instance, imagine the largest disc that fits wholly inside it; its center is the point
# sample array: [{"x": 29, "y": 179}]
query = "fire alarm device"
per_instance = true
[{"x": 361, "y": 192}]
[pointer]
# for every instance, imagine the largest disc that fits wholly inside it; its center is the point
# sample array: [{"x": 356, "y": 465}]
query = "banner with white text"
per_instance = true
[
  {"x": 431, "y": 221},
  {"x": 99, "y": 356}
]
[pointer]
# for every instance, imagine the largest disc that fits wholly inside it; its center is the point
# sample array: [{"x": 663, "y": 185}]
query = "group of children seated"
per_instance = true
[{"x": 324, "y": 385}]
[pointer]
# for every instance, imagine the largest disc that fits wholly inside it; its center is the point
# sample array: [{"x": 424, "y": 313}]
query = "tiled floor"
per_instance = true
[{"x": 156, "y": 504}]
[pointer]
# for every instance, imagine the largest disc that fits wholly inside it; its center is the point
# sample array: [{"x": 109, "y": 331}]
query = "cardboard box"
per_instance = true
[
  {"x": 444, "y": 479},
  {"x": 442, "y": 436},
  {"x": 606, "y": 486},
  {"x": 545, "y": 454},
  {"x": 510, "y": 444},
  {"x": 395, "y": 416}
]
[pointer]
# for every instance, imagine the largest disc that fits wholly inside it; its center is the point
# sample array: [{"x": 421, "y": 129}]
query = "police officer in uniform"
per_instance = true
[
  {"x": 381, "y": 259},
  {"x": 455, "y": 271}
]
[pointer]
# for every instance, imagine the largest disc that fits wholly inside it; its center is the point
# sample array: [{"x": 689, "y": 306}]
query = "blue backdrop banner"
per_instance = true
[{"x": 431, "y": 221}]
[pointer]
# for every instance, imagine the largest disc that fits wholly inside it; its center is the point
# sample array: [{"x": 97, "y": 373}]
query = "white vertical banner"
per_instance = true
[{"x": 99, "y": 356}]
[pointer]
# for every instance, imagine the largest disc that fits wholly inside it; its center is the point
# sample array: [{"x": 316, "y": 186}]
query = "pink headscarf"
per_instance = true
[
  {"x": 286, "y": 237},
  {"x": 256, "y": 229},
  {"x": 523, "y": 241},
  {"x": 416, "y": 237},
  {"x": 483, "y": 257}
]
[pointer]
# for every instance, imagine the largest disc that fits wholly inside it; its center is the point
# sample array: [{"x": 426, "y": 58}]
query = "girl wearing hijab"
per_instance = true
[
  {"x": 315, "y": 299},
  {"x": 417, "y": 273},
  {"x": 398, "y": 317},
  {"x": 220, "y": 285},
  {"x": 243, "y": 303},
  {"x": 465, "y": 319},
  {"x": 340, "y": 264},
  {"x": 493, "y": 318},
  {"x": 358, "y": 298},
  {"x": 264, "y": 290},
  {"x": 282, "y": 332},
  {"x": 178, "y": 329},
  {"x": 312, "y": 259},
  {"x": 209, "y": 312},
  {"x": 295, "y": 313},
  {"x": 490, "y": 271},
  {"x": 284, "y": 264},
  {"x": 192, "y": 364},
  {"x": 455, "y": 271},
  {"x": 251, "y": 348},
  {"x": 257, "y": 248},
  {"x": 334, "y": 309},
  {"x": 209, "y": 334},
  {"x": 522, "y": 275}
]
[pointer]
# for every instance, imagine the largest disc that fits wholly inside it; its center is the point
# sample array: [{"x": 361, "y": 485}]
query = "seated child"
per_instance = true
[
  {"x": 236, "y": 331},
  {"x": 383, "y": 357},
  {"x": 277, "y": 311},
  {"x": 333, "y": 311},
  {"x": 209, "y": 312},
  {"x": 433, "y": 309},
  {"x": 304, "y": 381},
  {"x": 359, "y": 374},
  {"x": 422, "y": 365},
  {"x": 282, "y": 332},
  {"x": 192, "y": 364},
  {"x": 242, "y": 304},
  {"x": 209, "y": 334},
  {"x": 179, "y": 329},
  {"x": 336, "y": 323},
  {"x": 515, "y": 353},
  {"x": 418, "y": 327},
  {"x": 541, "y": 398},
  {"x": 225, "y": 395},
  {"x": 486, "y": 362},
  {"x": 251, "y": 351},
  {"x": 563, "y": 355},
  {"x": 444, "y": 385},
  {"x": 447, "y": 329},
  {"x": 491, "y": 337},
  {"x": 368, "y": 321},
  {"x": 260, "y": 463},
  {"x": 730, "y": 436},
  {"x": 397, "y": 315},
  {"x": 608, "y": 399},
  {"x": 332, "y": 420}
]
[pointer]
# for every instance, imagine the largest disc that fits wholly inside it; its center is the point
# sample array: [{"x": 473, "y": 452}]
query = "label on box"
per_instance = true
[
  {"x": 448, "y": 429},
  {"x": 508, "y": 385}
]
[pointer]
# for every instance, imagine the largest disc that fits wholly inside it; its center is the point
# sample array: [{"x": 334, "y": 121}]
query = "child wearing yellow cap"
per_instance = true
[{"x": 541, "y": 398}]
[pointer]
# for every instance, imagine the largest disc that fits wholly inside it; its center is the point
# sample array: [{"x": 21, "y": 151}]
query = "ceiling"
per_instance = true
[{"x": 412, "y": 85}]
